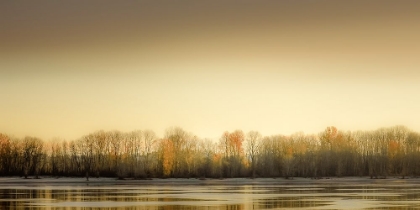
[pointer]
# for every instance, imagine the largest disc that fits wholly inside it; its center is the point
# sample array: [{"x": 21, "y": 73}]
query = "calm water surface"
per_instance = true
[{"x": 387, "y": 194}]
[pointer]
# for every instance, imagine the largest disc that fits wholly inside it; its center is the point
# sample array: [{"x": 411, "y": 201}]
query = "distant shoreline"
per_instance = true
[{"x": 210, "y": 181}]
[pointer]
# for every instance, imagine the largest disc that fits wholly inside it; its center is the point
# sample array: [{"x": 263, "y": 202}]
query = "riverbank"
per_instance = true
[{"x": 195, "y": 181}]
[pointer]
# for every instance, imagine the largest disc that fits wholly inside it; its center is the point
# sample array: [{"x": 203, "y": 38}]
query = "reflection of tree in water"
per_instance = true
[
  {"x": 288, "y": 203},
  {"x": 81, "y": 197}
]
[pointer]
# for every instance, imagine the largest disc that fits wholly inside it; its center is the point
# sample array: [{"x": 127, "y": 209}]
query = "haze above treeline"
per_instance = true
[
  {"x": 69, "y": 68},
  {"x": 391, "y": 151}
]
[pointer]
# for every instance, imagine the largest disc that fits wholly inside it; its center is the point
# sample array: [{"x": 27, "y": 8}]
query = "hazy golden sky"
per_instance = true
[{"x": 69, "y": 68}]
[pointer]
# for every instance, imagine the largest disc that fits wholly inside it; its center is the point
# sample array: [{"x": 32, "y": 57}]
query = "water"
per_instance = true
[{"x": 213, "y": 194}]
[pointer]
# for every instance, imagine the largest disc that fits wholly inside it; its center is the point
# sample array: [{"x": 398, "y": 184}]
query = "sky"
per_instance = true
[{"x": 69, "y": 68}]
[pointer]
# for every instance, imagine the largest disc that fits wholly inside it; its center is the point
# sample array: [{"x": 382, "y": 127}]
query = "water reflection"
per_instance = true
[{"x": 200, "y": 197}]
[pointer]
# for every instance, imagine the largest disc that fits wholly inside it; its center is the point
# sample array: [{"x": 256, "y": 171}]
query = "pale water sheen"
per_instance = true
[{"x": 213, "y": 194}]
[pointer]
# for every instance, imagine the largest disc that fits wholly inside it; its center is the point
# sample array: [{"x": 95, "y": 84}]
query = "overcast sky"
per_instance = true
[{"x": 69, "y": 68}]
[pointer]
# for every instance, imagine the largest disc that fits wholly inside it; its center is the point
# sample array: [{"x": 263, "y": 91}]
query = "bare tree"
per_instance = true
[
  {"x": 149, "y": 144},
  {"x": 5, "y": 154},
  {"x": 386, "y": 151},
  {"x": 99, "y": 145},
  {"x": 86, "y": 148},
  {"x": 208, "y": 149},
  {"x": 134, "y": 147},
  {"x": 253, "y": 147},
  {"x": 32, "y": 154},
  {"x": 114, "y": 139}
]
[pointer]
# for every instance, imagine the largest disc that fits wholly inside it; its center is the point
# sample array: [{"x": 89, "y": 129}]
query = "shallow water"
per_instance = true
[{"x": 209, "y": 195}]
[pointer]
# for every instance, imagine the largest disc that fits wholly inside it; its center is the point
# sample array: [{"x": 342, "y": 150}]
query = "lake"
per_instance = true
[{"x": 299, "y": 193}]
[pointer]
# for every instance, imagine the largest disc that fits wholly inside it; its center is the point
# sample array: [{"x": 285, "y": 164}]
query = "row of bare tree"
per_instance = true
[{"x": 393, "y": 151}]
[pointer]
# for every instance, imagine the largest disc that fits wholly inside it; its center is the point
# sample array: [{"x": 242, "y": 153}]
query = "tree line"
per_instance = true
[{"x": 393, "y": 151}]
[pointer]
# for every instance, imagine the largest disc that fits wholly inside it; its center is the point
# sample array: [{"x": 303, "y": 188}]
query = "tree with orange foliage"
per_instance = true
[
  {"x": 234, "y": 153},
  {"x": 288, "y": 156},
  {"x": 218, "y": 164},
  {"x": 391, "y": 151},
  {"x": 168, "y": 154},
  {"x": 397, "y": 151},
  {"x": 179, "y": 140},
  {"x": 236, "y": 140},
  {"x": 331, "y": 144}
]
